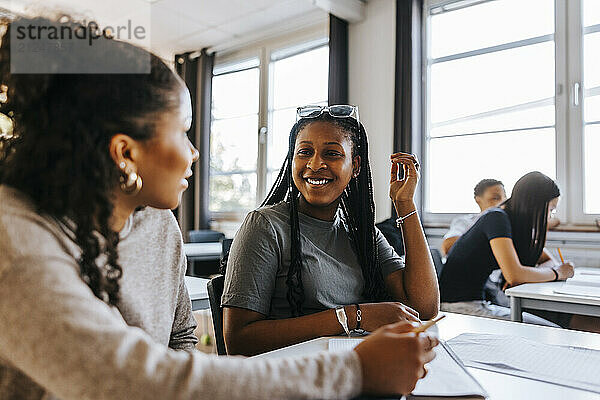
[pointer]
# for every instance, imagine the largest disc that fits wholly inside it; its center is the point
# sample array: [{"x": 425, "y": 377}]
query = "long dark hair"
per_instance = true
[
  {"x": 527, "y": 209},
  {"x": 357, "y": 206},
  {"x": 59, "y": 152}
]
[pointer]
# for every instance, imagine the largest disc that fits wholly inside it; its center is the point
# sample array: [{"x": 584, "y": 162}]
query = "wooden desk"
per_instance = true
[
  {"x": 541, "y": 296},
  {"x": 198, "y": 292},
  {"x": 499, "y": 386}
]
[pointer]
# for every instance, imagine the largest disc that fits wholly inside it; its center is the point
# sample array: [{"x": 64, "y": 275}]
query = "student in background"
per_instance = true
[
  {"x": 312, "y": 252},
  {"x": 510, "y": 237},
  {"x": 93, "y": 303},
  {"x": 487, "y": 193}
]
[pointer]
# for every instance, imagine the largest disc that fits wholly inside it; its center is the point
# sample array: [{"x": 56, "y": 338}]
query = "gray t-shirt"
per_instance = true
[{"x": 260, "y": 258}]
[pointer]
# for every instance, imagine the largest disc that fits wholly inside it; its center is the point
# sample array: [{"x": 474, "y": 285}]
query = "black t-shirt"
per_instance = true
[{"x": 471, "y": 260}]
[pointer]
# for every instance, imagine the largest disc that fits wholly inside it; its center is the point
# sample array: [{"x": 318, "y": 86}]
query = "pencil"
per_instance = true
[
  {"x": 562, "y": 260},
  {"x": 428, "y": 324}
]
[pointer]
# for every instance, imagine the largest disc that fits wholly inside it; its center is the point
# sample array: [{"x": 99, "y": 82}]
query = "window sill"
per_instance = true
[{"x": 560, "y": 228}]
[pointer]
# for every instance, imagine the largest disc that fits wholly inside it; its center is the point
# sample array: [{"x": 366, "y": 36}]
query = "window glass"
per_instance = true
[
  {"x": 458, "y": 163},
  {"x": 591, "y": 102},
  {"x": 492, "y": 81},
  {"x": 234, "y": 141},
  {"x": 486, "y": 25},
  {"x": 491, "y": 113}
]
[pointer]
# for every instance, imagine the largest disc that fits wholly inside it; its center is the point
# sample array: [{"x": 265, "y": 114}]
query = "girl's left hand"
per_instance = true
[{"x": 403, "y": 190}]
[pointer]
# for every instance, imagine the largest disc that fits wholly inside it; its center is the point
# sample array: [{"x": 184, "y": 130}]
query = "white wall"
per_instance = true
[{"x": 371, "y": 86}]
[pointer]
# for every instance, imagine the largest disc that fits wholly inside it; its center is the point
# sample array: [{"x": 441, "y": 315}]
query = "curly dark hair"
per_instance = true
[
  {"x": 483, "y": 184},
  {"x": 58, "y": 154},
  {"x": 357, "y": 205}
]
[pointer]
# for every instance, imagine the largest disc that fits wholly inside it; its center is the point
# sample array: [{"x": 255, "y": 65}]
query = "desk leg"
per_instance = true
[{"x": 515, "y": 309}]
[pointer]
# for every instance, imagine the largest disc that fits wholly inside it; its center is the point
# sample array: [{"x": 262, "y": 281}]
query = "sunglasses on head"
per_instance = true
[{"x": 337, "y": 111}]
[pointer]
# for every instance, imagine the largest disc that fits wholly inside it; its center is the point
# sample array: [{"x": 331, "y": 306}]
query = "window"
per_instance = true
[
  {"x": 254, "y": 102},
  {"x": 591, "y": 101},
  {"x": 233, "y": 144},
  {"x": 499, "y": 101}
]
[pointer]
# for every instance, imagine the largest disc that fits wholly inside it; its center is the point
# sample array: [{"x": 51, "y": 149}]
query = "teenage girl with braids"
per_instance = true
[
  {"x": 93, "y": 303},
  {"x": 312, "y": 247}
]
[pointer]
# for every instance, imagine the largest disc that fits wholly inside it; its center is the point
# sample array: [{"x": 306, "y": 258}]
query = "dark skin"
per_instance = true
[
  {"x": 323, "y": 165},
  {"x": 164, "y": 162}
]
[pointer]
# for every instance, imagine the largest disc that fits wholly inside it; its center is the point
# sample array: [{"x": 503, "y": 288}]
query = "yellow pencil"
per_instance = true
[
  {"x": 562, "y": 260},
  {"x": 428, "y": 324}
]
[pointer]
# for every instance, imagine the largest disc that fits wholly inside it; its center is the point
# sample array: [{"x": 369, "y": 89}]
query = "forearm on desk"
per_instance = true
[
  {"x": 250, "y": 337},
  {"x": 512, "y": 269}
]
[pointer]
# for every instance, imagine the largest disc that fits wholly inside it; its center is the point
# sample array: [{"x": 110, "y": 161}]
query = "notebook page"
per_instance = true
[
  {"x": 567, "y": 366},
  {"x": 584, "y": 279},
  {"x": 446, "y": 376}
]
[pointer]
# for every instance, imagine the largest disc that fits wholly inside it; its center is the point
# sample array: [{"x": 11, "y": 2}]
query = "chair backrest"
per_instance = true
[
  {"x": 437, "y": 260},
  {"x": 215, "y": 290},
  {"x": 392, "y": 234},
  {"x": 225, "y": 247}
]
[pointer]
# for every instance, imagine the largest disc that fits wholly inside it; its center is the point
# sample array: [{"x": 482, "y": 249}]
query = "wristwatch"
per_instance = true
[{"x": 340, "y": 313}]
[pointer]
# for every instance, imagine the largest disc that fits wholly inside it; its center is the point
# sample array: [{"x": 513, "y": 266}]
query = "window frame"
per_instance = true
[
  {"x": 569, "y": 157},
  {"x": 282, "y": 46}
]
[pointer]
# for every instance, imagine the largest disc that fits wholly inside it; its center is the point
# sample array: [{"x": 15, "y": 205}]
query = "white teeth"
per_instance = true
[{"x": 317, "y": 181}]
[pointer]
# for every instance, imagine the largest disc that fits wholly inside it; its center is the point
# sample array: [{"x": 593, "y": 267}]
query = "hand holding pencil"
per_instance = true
[{"x": 565, "y": 270}]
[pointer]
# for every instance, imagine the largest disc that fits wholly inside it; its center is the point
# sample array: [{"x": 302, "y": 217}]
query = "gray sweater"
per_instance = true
[{"x": 58, "y": 340}]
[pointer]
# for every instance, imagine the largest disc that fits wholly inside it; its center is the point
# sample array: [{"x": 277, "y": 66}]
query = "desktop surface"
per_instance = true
[{"x": 499, "y": 386}]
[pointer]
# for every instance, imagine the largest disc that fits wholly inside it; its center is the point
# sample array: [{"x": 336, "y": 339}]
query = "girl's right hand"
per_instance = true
[
  {"x": 375, "y": 315},
  {"x": 393, "y": 359},
  {"x": 565, "y": 271}
]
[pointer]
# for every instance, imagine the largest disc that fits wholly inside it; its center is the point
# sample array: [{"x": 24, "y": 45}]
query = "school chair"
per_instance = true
[{"x": 215, "y": 291}]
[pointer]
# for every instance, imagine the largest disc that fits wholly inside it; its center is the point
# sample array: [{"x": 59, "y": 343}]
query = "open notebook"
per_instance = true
[
  {"x": 569, "y": 366},
  {"x": 447, "y": 377}
]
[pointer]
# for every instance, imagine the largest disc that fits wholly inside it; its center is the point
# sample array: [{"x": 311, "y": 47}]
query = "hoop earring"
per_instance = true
[{"x": 130, "y": 182}]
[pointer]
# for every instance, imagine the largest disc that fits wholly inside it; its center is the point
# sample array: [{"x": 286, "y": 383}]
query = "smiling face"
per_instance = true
[
  {"x": 322, "y": 167},
  {"x": 167, "y": 158}
]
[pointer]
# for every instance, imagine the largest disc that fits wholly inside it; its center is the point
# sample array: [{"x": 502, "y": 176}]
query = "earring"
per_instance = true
[{"x": 129, "y": 182}]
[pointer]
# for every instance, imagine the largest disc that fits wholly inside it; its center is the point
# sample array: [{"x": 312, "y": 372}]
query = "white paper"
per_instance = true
[
  {"x": 578, "y": 290},
  {"x": 562, "y": 365},
  {"x": 339, "y": 344},
  {"x": 446, "y": 376},
  {"x": 584, "y": 280}
]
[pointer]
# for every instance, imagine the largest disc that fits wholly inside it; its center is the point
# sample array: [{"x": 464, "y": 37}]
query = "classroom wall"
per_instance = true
[{"x": 371, "y": 86}]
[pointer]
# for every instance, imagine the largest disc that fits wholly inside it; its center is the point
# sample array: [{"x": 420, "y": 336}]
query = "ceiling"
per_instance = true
[{"x": 188, "y": 25}]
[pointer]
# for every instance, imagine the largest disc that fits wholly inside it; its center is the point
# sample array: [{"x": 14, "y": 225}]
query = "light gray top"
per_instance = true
[
  {"x": 260, "y": 258},
  {"x": 460, "y": 225},
  {"x": 57, "y": 340}
]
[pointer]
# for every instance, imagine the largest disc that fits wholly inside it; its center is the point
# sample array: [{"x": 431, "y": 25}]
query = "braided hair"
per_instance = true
[
  {"x": 58, "y": 154},
  {"x": 357, "y": 206}
]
